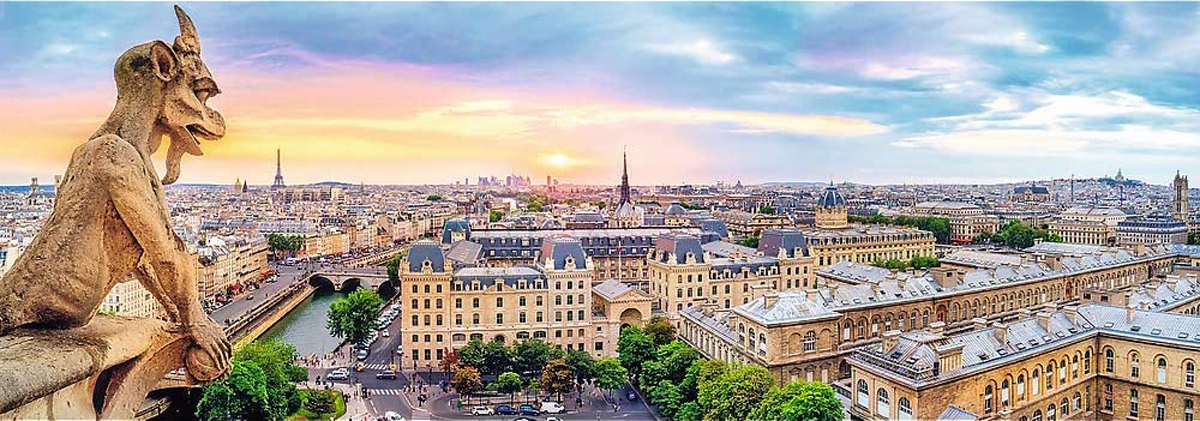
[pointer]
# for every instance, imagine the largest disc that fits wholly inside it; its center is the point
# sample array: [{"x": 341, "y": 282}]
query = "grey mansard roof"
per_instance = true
[
  {"x": 727, "y": 249},
  {"x": 425, "y": 250},
  {"x": 676, "y": 210},
  {"x": 831, "y": 198},
  {"x": 788, "y": 239},
  {"x": 558, "y": 249},
  {"x": 453, "y": 226},
  {"x": 681, "y": 245}
]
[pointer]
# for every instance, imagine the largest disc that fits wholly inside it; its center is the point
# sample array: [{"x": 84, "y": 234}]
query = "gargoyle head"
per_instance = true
[{"x": 173, "y": 82}]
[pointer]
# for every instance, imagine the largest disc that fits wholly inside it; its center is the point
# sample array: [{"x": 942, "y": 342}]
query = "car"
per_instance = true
[
  {"x": 362, "y": 354},
  {"x": 249, "y": 297},
  {"x": 553, "y": 408},
  {"x": 632, "y": 396},
  {"x": 505, "y": 410},
  {"x": 528, "y": 409},
  {"x": 386, "y": 334},
  {"x": 359, "y": 367},
  {"x": 482, "y": 410},
  {"x": 524, "y": 419},
  {"x": 553, "y": 419},
  {"x": 392, "y": 416},
  {"x": 386, "y": 374},
  {"x": 338, "y": 374}
]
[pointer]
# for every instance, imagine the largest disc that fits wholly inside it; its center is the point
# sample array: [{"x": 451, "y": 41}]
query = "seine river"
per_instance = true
[{"x": 304, "y": 326}]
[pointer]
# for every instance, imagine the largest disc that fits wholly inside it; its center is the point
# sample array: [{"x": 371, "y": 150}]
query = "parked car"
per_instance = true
[
  {"x": 386, "y": 375},
  {"x": 386, "y": 334},
  {"x": 249, "y": 297},
  {"x": 553, "y": 408},
  {"x": 338, "y": 374},
  {"x": 482, "y": 410},
  {"x": 392, "y": 416},
  {"x": 632, "y": 396},
  {"x": 505, "y": 410},
  {"x": 528, "y": 409},
  {"x": 524, "y": 419},
  {"x": 362, "y": 354},
  {"x": 553, "y": 419}
]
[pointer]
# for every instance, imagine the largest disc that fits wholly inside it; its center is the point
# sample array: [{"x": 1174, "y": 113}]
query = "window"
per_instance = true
[
  {"x": 881, "y": 403},
  {"x": 1020, "y": 385},
  {"x": 458, "y": 319},
  {"x": 1161, "y": 373},
  {"x": 1189, "y": 374},
  {"x": 1108, "y": 403},
  {"x": 1187, "y": 410},
  {"x": 1062, "y": 371},
  {"x": 458, "y": 303},
  {"x": 1035, "y": 381},
  {"x": 906, "y": 409},
  {"x": 1160, "y": 408},
  {"x": 1133, "y": 403},
  {"x": 987, "y": 399},
  {"x": 1108, "y": 360},
  {"x": 1004, "y": 391},
  {"x": 1134, "y": 365},
  {"x": 1037, "y": 415},
  {"x": 1051, "y": 413},
  {"x": 1076, "y": 402},
  {"x": 499, "y": 302},
  {"x": 864, "y": 395},
  {"x": 1087, "y": 361}
]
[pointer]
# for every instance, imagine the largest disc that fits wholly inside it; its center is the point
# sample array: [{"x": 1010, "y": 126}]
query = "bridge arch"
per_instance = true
[
  {"x": 350, "y": 284},
  {"x": 386, "y": 290},
  {"x": 321, "y": 282}
]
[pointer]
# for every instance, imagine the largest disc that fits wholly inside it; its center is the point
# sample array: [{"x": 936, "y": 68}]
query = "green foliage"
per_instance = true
[
  {"x": 800, "y": 401},
  {"x": 940, "y": 227},
  {"x": 495, "y": 215},
  {"x": 467, "y": 381},
  {"x": 693, "y": 206},
  {"x": 751, "y": 241},
  {"x": 917, "y": 262},
  {"x": 767, "y": 209},
  {"x": 434, "y": 198},
  {"x": 491, "y": 359},
  {"x": 535, "y": 205},
  {"x": 659, "y": 330},
  {"x": 240, "y": 396},
  {"x": 1193, "y": 238},
  {"x": 353, "y": 318},
  {"x": 634, "y": 347},
  {"x": 531, "y": 355},
  {"x": 278, "y": 363},
  {"x": 393, "y": 268},
  {"x": 509, "y": 383},
  {"x": 321, "y": 401},
  {"x": 735, "y": 393},
  {"x": 583, "y": 363},
  {"x": 339, "y": 407},
  {"x": 666, "y": 397},
  {"x": 557, "y": 378},
  {"x": 610, "y": 374},
  {"x": 286, "y": 243},
  {"x": 1017, "y": 235}
]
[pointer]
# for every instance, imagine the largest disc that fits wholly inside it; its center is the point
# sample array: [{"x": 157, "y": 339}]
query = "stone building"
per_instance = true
[
  {"x": 554, "y": 299},
  {"x": 1179, "y": 199},
  {"x": 805, "y": 334},
  {"x": 967, "y": 220},
  {"x": 742, "y": 224},
  {"x": 1151, "y": 231},
  {"x": 1088, "y": 225}
]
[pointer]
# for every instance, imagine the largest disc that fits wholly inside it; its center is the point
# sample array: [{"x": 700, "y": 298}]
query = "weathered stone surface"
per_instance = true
[{"x": 111, "y": 222}]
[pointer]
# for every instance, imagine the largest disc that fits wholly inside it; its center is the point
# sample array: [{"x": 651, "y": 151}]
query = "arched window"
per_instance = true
[
  {"x": 906, "y": 409},
  {"x": 881, "y": 403},
  {"x": 1004, "y": 388},
  {"x": 1020, "y": 385},
  {"x": 1108, "y": 360},
  {"x": 1062, "y": 371},
  {"x": 1161, "y": 373},
  {"x": 1035, "y": 381},
  {"x": 987, "y": 399},
  {"x": 1160, "y": 408},
  {"x": 1189, "y": 374},
  {"x": 1076, "y": 402},
  {"x": 1134, "y": 365},
  {"x": 1063, "y": 407},
  {"x": 1037, "y": 415},
  {"x": 1087, "y": 361},
  {"x": 1051, "y": 414},
  {"x": 864, "y": 395}
]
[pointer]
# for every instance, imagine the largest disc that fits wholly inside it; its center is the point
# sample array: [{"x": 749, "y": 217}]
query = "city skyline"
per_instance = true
[{"x": 420, "y": 93}]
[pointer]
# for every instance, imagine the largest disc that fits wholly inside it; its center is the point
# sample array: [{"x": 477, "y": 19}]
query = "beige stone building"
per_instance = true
[
  {"x": 554, "y": 299},
  {"x": 131, "y": 299},
  {"x": 966, "y": 219},
  {"x": 226, "y": 260},
  {"x": 806, "y": 334},
  {"x": 750, "y": 224},
  {"x": 1089, "y": 226}
]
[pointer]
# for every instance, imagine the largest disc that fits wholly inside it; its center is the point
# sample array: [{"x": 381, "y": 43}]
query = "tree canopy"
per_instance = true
[
  {"x": 940, "y": 227},
  {"x": 242, "y": 395},
  {"x": 800, "y": 401},
  {"x": 660, "y": 330},
  {"x": 1017, "y": 235},
  {"x": 353, "y": 318},
  {"x": 735, "y": 393},
  {"x": 751, "y": 241},
  {"x": 633, "y": 348},
  {"x": 610, "y": 374},
  {"x": 531, "y": 355},
  {"x": 557, "y": 378},
  {"x": 495, "y": 215},
  {"x": 284, "y": 243}
]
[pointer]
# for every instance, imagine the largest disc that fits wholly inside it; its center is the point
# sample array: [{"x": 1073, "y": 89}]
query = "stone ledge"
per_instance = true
[{"x": 85, "y": 372}]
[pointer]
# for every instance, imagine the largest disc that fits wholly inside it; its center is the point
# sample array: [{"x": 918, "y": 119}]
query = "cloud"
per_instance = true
[
  {"x": 915, "y": 67},
  {"x": 703, "y": 51}
]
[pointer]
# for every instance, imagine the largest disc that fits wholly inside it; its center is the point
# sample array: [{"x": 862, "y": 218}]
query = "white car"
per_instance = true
[
  {"x": 482, "y": 410},
  {"x": 386, "y": 334},
  {"x": 552, "y": 408},
  {"x": 392, "y": 416}
]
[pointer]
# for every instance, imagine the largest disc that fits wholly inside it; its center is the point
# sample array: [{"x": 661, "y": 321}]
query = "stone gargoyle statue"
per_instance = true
[{"x": 110, "y": 222}]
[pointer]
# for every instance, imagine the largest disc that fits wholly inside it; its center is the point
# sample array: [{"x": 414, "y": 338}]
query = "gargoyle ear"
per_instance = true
[{"x": 165, "y": 63}]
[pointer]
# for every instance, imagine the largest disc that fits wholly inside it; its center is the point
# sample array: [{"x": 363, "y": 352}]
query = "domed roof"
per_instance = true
[
  {"x": 676, "y": 210},
  {"x": 831, "y": 198}
]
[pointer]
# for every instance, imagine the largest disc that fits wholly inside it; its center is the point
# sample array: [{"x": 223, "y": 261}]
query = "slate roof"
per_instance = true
[
  {"x": 488, "y": 276},
  {"x": 789, "y": 306},
  {"x": 727, "y": 249},
  {"x": 787, "y": 239},
  {"x": 676, "y": 210},
  {"x": 464, "y": 252},
  {"x": 455, "y": 225},
  {"x": 713, "y": 225},
  {"x": 831, "y": 198},
  {"x": 954, "y": 413},
  {"x": 681, "y": 245},
  {"x": 558, "y": 249},
  {"x": 981, "y": 259},
  {"x": 612, "y": 289},
  {"x": 425, "y": 250}
]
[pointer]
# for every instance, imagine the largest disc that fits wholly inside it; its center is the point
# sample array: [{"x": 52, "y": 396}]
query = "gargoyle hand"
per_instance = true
[{"x": 210, "y": 337}]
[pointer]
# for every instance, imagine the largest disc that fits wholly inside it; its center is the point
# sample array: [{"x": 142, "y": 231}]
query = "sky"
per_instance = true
[{"x": 413, "y": 93}]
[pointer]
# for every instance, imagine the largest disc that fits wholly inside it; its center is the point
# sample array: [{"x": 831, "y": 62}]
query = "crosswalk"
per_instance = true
[
  {"x": 376, "y": 366},
  {"x": 385, "y": 392}
]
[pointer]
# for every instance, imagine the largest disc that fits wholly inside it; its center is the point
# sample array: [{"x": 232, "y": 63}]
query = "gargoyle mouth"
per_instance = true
[{"x": 199, "y": 131}]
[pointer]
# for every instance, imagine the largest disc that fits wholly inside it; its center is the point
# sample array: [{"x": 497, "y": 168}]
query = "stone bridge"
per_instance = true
[{"x": 342, "y": 279}]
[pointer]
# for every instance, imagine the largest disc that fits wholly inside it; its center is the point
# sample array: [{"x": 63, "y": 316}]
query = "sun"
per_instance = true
[{"x": 557, "y": 160}]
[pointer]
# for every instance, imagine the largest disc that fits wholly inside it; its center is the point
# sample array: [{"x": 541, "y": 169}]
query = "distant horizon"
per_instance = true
[{"x": 882, "y": 93}]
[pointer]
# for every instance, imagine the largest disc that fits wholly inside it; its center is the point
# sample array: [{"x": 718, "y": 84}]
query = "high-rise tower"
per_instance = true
[
  {"x": 1179, "y": 206},
  {"x": 278, "y": 172}
]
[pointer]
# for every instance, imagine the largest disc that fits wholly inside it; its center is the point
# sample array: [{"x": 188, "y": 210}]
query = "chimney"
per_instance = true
[
  {"x": 978, "y": 323},
  {"x": 938, "y": 328},
  {"x": 1139, "y": 250},
  {"x": 1000, "y": 330},
  {"x": 949, "y": 357},
  {"x": 902, "y": 282},
  {"x": 1043, "y": 319},
  {"x": 769, "y": 300},
  {"x": 813, "y": 295},
  {"x": 1055, "y": 262},
  {"x": 1129, "y": 312},
  {"x": 945, "y": 276},
  {"x": 890, "y": 338},
  {"x": 1072, "y": 313},
  {"x": 1172, "y": 282}
]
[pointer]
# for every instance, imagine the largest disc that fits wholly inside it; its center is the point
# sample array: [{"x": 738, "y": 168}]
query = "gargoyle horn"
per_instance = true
[{"x": 187, "y": 41}]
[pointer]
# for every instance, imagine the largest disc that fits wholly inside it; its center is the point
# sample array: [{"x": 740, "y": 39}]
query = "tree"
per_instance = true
[
  {"x": 450, "y": 362},
  {"x": 509, "y": 383},
  {"x": 767, "y": 209},
  {"x": 393, "y": 268},
  {"x": 666, "y": 397},
  {"x": 583, "y": 364},
  {"x": 676, "y": 359},
  {"x": 495, "y": 215},
  {"x": 735, "y": 393},
  {"x": 751, "y": 241},
  {"x": 277, "y": 360},
  {"x": 240, "y": 396},
  {"x": 284, "y": 243},
  {"x": 924, "y": 262},
  {"x": 799, "y": 401},
  {"x": 353, "y": 318},
  {"x": 659, "y": 330},
  {"x": 466, "y": 382},
  {"x": 610, "y": 374},
  {"x": 471, "y": 355},
  {"x": 557, "y": 378},
  {"x": 531, "y": 355},
  {"x": 321, "y": 401},
  {"x": 497, "y": 359},
  {"x": 535, "y": 205},
  {"x": 433, "y": 198},
  {"x": 633, "y": 348}
]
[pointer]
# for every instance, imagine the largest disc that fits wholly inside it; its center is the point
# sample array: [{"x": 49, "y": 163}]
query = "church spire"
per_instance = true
[{"x": 624, "y": 177}]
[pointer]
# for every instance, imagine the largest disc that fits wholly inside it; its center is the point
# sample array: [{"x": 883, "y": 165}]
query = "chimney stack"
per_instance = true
[
  {"x": 769, "y": 300},
  {"x": 890, "y": 338},
  {"x": 1129, "y": 312},
  {"x": 945, "y": 276},
  {"x": 813, "y": 295},
  {"x": 1001, "y": 332},
  {"x": 978, "y": 323},
  {"x": 1043, "y": 319},
  {"x": 1072, "y": 313},
  {"x": 938, "y": 328}
]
